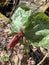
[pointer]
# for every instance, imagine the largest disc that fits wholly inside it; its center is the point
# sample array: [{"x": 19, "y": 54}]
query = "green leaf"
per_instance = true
[
  {"x": 38, "y": 22},
  {"x": 19, "y": 19},
  {"x": 45, "y": 42},
  {"x": 44, "y": 32},
  {"x": 5, "y": 58}
]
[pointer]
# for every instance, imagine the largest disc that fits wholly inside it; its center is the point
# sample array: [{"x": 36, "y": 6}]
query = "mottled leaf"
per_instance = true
[
  {"x": 45, "y": 42},
  {"x": 44, "y": 32},
  {"x": 38, "y": 22},
  {"x": 19, "y": 19}
]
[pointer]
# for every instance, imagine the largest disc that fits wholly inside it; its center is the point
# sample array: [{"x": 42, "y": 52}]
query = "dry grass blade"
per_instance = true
[{"x": 43, "y": 59}]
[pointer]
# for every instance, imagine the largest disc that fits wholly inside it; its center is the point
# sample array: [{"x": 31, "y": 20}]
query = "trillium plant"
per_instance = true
[{"x": 34, "y": 27}]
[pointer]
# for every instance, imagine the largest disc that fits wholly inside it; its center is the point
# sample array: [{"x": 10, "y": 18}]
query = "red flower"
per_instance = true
[{"x": 14, "y": 41}]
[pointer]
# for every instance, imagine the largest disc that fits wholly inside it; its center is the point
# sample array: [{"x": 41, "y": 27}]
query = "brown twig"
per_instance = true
[{"x": 43, "y": 59}]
